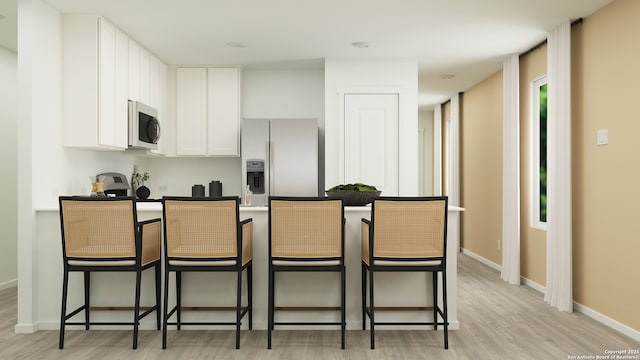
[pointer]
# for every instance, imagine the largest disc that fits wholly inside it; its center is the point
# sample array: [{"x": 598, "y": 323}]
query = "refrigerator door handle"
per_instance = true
[{"x": 270, "y": 155}]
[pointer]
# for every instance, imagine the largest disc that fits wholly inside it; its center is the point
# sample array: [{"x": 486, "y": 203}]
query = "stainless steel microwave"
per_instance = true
[{"x": 144, "y": 128}]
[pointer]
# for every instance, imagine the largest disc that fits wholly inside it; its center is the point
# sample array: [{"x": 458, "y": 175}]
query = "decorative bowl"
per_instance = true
[{"x": 352, "y": 197}]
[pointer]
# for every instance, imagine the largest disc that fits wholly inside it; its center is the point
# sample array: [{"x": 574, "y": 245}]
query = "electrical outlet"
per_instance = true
[
  {"x": 603, "y": 136},
  {"x": 499, "y": 245}
]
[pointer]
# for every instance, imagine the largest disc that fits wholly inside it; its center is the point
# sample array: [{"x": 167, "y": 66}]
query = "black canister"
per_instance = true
[
  {"x": 215, "y": 189},
  {"x": 197, "y": 191}
]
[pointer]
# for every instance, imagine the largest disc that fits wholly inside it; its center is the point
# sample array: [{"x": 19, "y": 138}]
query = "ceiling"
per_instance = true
[{"x": 464, "y": 38}]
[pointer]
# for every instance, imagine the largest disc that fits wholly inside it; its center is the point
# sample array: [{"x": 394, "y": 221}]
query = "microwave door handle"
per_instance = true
[{"x": 157, "y": 125}]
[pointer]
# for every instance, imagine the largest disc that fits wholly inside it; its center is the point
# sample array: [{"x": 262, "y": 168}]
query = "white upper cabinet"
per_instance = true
[
  {"x": 147, "y": 84},
  {"x": 158, "y": 99},
  {"x": 103, "y": 69},
  {"x": 134, "y": 70},
  {"x": 145, "y": 76},
  {"x": 191, "y": 111},
  {"x": 223, "y": 111},
  {"x": 95, "y": 67},
  {"x": 208, "y": 111}
]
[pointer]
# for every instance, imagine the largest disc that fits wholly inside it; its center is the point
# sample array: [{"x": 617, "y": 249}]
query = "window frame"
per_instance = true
[{"x": 535, "y": 153}]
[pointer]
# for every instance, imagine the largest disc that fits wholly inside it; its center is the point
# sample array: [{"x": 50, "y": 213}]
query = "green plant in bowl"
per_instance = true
[
  {"x": 354, "y": 187},
  {"x": 357, "y": 194}
]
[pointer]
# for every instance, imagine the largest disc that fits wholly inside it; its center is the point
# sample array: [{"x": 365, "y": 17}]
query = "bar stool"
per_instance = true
[
  {"x": 405, "y": 234},
  {"x": 102, "y": 234},
  {"x": 305, "y": 234},
  {"x": 205, "y": 235}
]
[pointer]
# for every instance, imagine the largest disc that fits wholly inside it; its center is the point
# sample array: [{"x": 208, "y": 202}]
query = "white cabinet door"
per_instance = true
[
  {"x": 134, "y": 70},
  {"x": 112, "y": 88},
  {"x": 191, "y": 111},
  {"x": 121, "y": 87},
  {"x": 106, "y": 83},
  {"x": 223, "y": 113},
  {"x": 157, "y": 95},
  {"x": 145, "y": 72},
  {"x": 371, "y": 141}
]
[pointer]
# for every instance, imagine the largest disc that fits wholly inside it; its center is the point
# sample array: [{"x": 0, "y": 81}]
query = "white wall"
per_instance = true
[
  {"x": 45, "y": 168},
  {"x": 374, "y": 75},
  {"x": 8, "y": 160},
  {"x": 425, "y": 128},
  {"x": 264, "y": 94},
  {"x": 283, "y": 94}
]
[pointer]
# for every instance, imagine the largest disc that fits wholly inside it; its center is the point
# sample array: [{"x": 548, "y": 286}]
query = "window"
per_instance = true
[{"x": 539, "y": 153}]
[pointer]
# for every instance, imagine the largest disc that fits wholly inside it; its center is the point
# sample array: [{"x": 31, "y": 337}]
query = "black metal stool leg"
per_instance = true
[
  {"x": 178, "y": 297},
  {"x": 238, "y": 306},
  {"x": 165, "y": 307},
  {"x": 343, "y": 320},
  {"x": 250, "y": 294},
  {"x": 63, "y": 311},
  {"x": 158, "y": 287},
  {"x": 444, "y": 311},
  {"x": 87, "y": 309},
  {"x": 136, "y": 310},
  {"x": 434, "y": 289},
  {"x": 271, "y": 307},
  {"x": 364, "y": 296},
  {"x": 371, "y": 311}
]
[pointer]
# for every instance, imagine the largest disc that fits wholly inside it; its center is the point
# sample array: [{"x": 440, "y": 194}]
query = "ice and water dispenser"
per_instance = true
[{"x": 255, "y": 176}]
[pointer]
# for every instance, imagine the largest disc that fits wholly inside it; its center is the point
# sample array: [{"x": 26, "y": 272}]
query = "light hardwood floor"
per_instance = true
[{"x": 498, "y": 321}]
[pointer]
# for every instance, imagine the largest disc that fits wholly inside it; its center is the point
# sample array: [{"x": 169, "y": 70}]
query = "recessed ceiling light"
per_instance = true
[
  {"x": 237, "y": 44},
  {"x": 447, "y": 76},
  {"x": 360, "y": 44}
]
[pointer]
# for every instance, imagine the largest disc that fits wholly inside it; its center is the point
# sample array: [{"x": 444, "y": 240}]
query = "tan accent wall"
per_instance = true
[
  {"x": 481, "y": 168},
  {"x": 606, "y": 178},
  {"x": 533, "y": 242}
]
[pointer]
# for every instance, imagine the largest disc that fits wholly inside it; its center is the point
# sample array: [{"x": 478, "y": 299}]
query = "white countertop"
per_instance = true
[{"x": 157, "y": 206}]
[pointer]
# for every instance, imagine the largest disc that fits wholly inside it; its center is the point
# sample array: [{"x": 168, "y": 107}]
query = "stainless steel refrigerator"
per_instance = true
[{"x": 279, "y": 157}]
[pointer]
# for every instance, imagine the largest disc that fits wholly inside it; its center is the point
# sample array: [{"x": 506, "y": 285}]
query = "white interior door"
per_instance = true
[{"x": 371, "y": 141}]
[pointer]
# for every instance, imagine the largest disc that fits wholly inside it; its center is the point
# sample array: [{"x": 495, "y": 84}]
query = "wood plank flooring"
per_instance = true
[{"x": 498, "y": 321}]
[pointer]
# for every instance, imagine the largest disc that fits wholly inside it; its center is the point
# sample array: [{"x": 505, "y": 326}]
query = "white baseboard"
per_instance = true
[
  {"x": 481, "y": 259},
  {"x": 25, "y": 328},
  {"x": 603, "y": 319},
  {"x": 532, "y": 284},
  {"x": 8, "y": 284}
]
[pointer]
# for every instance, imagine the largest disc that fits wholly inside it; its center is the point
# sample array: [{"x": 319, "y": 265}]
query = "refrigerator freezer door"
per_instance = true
[
  {"x": 255, "y": 147},
  {"x": 293, "y": 157}
]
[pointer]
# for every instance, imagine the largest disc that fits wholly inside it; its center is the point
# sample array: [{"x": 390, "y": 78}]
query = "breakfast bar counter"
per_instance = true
[{"x": 42, "y": 312}]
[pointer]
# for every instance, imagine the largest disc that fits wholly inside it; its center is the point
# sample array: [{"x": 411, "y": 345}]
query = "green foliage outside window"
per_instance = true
[{"x": 543, "y": 153}]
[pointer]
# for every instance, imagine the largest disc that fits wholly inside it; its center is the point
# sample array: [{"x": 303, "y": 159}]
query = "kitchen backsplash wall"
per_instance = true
[
  {"x": 176, "y": 176},
  {"x": 82, "y": 164}
]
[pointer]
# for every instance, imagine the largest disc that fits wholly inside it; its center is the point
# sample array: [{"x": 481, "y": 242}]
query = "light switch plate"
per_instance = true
[{"x": 603, "y": 136}]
